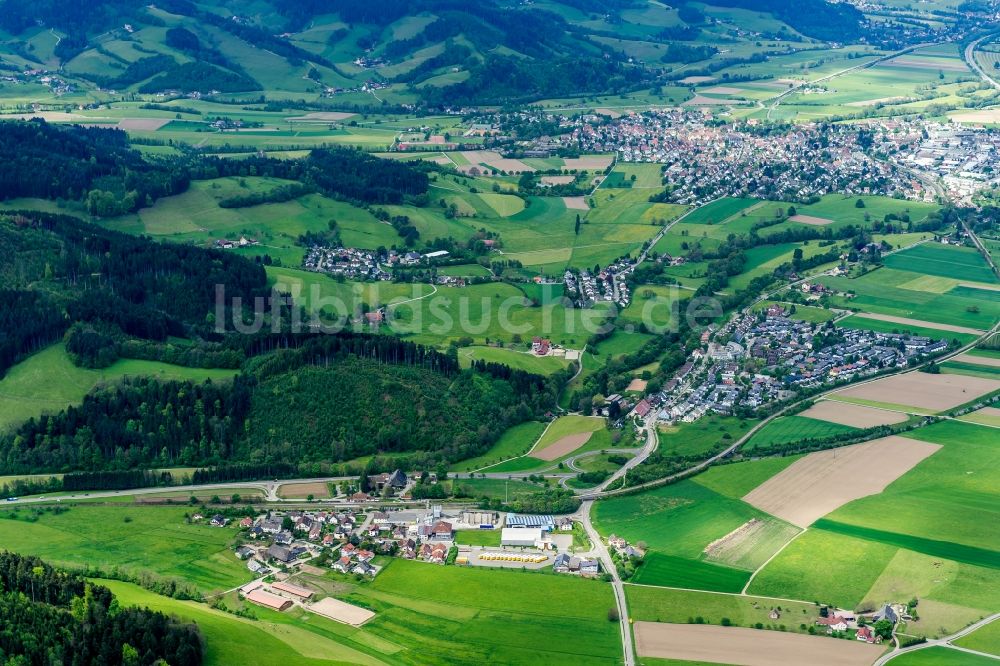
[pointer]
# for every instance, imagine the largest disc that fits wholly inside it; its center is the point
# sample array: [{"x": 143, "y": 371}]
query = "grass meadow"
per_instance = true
[
  {"x": 152, "y": 539},
  {"x": 681, "y": 606},
  {"x": 47, "y": 381},
  {"x": 514, "y": 442}
]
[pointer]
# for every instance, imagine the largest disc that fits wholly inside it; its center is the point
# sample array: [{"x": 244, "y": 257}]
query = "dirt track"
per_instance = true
[
  {"x": 747, "y": 647},
  {"x": 813, "y": 486},
  {"x": 922, "y": 390},
  {"x": 847, "y": 414}
]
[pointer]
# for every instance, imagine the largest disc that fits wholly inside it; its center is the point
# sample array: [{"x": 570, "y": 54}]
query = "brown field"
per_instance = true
[
  {"x": 564, "y": 446},
  {"x": 748, "y": 647},
  {"x": 148, "y": 124},
  {"x": 986, "y": 116},
  {"x": 857, "y": 416},
  {"x": 611, "y": 113},
  {"x": 338, "y": 610},
  {"x": 918, "y": 322},
  {"x": 980, "y": 285},
  {"x": 494, "y": 161},
  {"x": 873, "y": 102},
  {"x": 696, "y": 79},
  {"x": 557, "y": 180},
  {"x": 320, "y": 116},
  {"x": 978, "y": 360},
  {"x": 922, "y": 390},
  {"x": 303, "y": 490},
  {"x": 917, "y": 62},
  {"x": 576, "y": 203},
  {"x": 813, "y": 486},
  {"x": 701, "y": 100},
  {"x": 809, "y": 219},
  {"x": 722, "y": 90},
  {"x": 637, "y": 384},
  {"x": 588, "y": 162}
]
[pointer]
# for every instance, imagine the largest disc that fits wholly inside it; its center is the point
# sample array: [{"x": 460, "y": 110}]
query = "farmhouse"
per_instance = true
[
  {"x": 280, "y": 553},
  {"x": 268, "y": 600}
]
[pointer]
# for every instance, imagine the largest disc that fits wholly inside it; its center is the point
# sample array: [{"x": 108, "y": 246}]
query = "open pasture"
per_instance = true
[
  {"x": 920, "y": 390},
  {"x": 856, "y": 416},
  {"x": 565, "y": 435},
  {"x": 513, "y": 442},
  {"x": 518, "y": 359},
  {"x": 135, "y": 538},
  {"x": 739, "y": 645},
  {"x": 718, "y": 211},
  {"x": 47, "y": 381},
  {"x": 823, "y": 481}
]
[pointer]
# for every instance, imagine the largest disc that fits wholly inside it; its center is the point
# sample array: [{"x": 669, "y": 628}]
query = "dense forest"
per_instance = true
[
  {"x": 54, "y": 617},
  {"x": 63, "y": 270},
  {"x": 302, "y": 399}
]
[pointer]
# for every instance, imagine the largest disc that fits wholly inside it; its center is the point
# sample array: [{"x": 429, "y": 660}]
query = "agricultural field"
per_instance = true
[
  {"x": 854, "y": 416},
  {"x": 517, "y": 359},
  {"x": 565, "y": 435},
  {"x": 698, "y": 538},
  {"x": 47, "y": 381},
  {"x": 798, "y": 428},
  {"x": 748, "y": 646},
  {"x": 135, "y": 538},
  {"x": 918, "y": 392},
  {"x": 984, "y": 639},
  {"x": 945, "y": 294},
  {"x": 908, "y": 327},
  {"x": 941, "y": 656},
  {"x": 910, "y": 540}
]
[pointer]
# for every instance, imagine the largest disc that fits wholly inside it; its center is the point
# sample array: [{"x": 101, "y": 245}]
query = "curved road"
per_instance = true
[{"x": 943, "y": 642}]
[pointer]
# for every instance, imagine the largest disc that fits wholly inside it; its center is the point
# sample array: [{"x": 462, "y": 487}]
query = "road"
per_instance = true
[
  {"x": 616, "y": 583},
  {"x": 970, "y": 60},
  {"x": 943, "y": 642}
]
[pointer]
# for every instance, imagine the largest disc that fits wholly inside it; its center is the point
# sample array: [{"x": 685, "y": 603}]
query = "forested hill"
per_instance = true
[
  {"x": 54, "y": 617},
  {"x": 99, "y": 167},
  {"x": 56, "y": 270},
  {"x": 329, "y": 399}
]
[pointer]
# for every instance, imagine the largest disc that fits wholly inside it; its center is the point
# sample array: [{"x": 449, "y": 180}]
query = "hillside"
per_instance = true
[{"x": 433, "y": 52}]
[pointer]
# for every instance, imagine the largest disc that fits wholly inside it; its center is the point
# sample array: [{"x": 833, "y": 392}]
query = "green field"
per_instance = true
[
  {"x": 519, "y": 359},
  {"x": 984, "y": 639},
  {"x": 677, "y": 522},
  {"x": 737, "y": 479},
  {"x": 788, "y": 429},
  {"x": 153, "y": 539},
  {"x": 478, "y": 538},
  {"x": 941, "y": 656},
  {"x": 718, "y": 211},
  {"x": 959, "y": 263},
  {"x": 47, "y": 381},
  {"x": 867, "y": 324},
  {"x": 710, "y": 432},
  {"x": 680, "y": 606},
  {"x": 514, "y": 442}
]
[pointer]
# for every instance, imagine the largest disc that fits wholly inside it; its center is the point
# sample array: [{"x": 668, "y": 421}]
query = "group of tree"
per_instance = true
[{"x": 55, "y": 617}]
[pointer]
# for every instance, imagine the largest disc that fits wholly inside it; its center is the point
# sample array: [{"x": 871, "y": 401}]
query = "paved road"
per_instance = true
[
  {"x": 970, "y": 60},
  {"x": 943, "y": 642},
  {"x": 616, "y": 582}
]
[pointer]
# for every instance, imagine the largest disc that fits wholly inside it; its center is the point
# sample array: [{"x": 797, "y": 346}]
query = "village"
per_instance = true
[
  {"x": 770, "y": 356},
  {"x": 609, "y": 284}
]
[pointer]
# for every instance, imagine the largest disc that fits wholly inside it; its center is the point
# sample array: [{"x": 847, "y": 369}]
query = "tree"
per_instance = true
[
  {"x": 613, "y": 615},
  {"x": 860, "y": 203},
  {"x": 883, "y": 628}
]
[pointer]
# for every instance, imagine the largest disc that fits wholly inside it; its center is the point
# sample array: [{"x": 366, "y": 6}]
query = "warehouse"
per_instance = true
[
  {"x": 546, "y": 523},
  {"x": 524, "y": 537}
]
